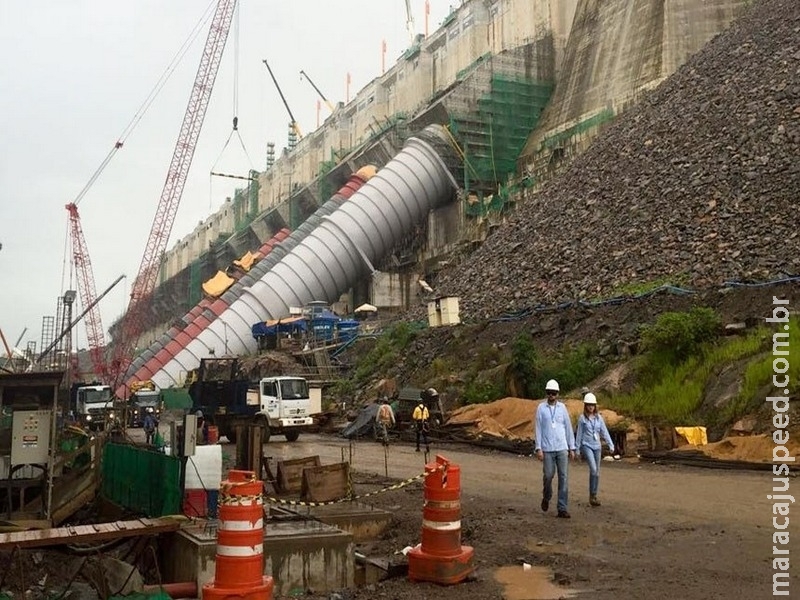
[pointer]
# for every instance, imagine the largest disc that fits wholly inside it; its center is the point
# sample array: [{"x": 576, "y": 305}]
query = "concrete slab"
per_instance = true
[
  {"x": 363, "y": 521},
  {"x": 299, "y": 555}
]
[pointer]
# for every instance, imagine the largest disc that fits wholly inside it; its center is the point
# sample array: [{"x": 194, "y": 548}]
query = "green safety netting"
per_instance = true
[
  {"x": 493, "y": 137},
  {"x": 141, "y": 479}
]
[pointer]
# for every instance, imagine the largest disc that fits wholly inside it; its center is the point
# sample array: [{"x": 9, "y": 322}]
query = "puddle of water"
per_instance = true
[{"x": 531, "y": 584}]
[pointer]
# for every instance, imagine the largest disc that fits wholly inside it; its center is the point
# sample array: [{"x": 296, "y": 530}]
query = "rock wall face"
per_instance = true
[
  {"x": 697, "y": 184},
  {"x": 619, "y": 49}
]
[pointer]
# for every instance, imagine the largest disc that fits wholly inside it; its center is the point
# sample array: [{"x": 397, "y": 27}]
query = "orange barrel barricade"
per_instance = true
[
  {"x": 213, "y": 434},
  {"x": 239, "y": 571},
  {"x": 440, "y": 557}
]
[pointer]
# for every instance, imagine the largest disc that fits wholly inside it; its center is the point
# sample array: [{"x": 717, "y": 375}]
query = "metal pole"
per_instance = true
[
  {"x": 321, "y": 95},
  {"x": 51, "y": 466},
  {"x": 280, "y": 92},
  {"x": 8, "y": 350},
  {"x": 69, "y": 327}
]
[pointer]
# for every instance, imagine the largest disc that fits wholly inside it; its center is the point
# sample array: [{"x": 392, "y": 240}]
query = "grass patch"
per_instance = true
[
  {"x": 481, "y": 391},
  {"x": 758, "y": 375},
  {"x": 386, "y": 352},
  {"x": 637, "y": 288},
  {"x": 673, "y": 394},
  {"x": 572, "y": 368}
]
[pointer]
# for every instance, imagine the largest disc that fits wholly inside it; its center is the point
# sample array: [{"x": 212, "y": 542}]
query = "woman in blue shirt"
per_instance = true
[{"x": 591, "y": 428}]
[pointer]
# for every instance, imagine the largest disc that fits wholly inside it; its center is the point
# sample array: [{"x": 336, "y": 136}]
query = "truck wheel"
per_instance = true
[
  {"x": 262, "y": 422},
  {"x": 291, "y": 436}
]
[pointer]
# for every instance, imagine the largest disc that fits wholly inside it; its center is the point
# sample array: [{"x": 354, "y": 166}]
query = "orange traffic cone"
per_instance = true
[
  {"x": 440, "y": 557},
  {"x": 239, "y": 572}
]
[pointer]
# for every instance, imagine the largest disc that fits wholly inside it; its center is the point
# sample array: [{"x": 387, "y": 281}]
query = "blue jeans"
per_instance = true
[
  {"x": 592, "y": 458},
  {"x": 556, "y": 461}
]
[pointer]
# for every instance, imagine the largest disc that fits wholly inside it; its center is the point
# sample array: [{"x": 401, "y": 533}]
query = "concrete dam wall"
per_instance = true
[
  {"x": 617, "y": 50},
  {"x": 527, "y": 88}
]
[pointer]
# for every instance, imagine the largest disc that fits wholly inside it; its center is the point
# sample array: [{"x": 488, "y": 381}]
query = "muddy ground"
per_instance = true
[{"x": 662, "y": 532}]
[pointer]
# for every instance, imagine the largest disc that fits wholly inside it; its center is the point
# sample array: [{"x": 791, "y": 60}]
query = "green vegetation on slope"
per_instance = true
[
  {"x": 677, "y": 368},
  {"x": 526, "y": 371},
  {"x": 687, "y": 372}
]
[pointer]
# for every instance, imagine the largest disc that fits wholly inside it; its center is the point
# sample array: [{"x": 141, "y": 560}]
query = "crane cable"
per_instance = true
[
  {"x": 129, "y": 128},
  {"x": 148, "y": 101},
  {"x": 235, "y": 128}
]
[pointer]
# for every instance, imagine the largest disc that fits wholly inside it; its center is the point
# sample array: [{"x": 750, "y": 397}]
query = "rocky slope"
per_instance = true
[{"x": 698, "y": 183}]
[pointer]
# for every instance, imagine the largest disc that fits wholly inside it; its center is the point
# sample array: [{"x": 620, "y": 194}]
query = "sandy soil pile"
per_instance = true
[
  {"x": 749, "y": 448},
  {"x": 512, "y": 418}
]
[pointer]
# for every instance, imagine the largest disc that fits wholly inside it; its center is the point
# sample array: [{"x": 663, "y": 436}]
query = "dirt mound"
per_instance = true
[
  {"x": 689, "y": 186},
  {"x": 748, "y": 448},
  {"x": 512, "y": 418},
  {"x": 268, "y": 364}
]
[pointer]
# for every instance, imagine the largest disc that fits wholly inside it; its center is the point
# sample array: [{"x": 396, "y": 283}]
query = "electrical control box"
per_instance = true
[{"x": 30, "y": 437}]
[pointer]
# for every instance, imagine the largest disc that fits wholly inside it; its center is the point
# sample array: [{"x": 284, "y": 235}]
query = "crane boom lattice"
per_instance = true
[
  {"x": 87, "y": 291},
  {"x": 134, "y": 321}
]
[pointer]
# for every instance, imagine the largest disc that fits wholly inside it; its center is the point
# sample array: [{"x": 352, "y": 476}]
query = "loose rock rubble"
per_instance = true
[{"x": 698, "y": 183}]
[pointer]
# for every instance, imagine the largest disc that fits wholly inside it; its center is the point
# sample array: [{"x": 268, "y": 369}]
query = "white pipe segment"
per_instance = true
[
  {"x": 331, "y": 258},
  {"x": 146, "y": 364}
]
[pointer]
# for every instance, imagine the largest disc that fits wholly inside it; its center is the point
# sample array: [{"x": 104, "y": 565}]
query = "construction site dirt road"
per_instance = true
[{"x": 661, "y": 532}]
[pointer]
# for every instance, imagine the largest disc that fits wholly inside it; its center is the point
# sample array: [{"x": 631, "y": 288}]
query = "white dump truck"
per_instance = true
[
  {"x": 93, "y": 405},
  {"x": 285, "y": 406},
  {"x": 281, "y": 405}
]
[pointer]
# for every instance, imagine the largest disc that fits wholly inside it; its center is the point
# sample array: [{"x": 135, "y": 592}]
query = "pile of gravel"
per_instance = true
[{"x": 700, "y": 182}]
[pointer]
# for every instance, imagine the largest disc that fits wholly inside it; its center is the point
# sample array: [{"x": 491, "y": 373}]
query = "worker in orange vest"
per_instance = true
[{"x": 384, "y": 420}]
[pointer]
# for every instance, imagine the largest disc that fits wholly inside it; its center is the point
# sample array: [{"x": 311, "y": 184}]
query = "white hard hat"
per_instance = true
[
  {"x": 590, "y": 398},
  {"x": 552, "y": 386}
]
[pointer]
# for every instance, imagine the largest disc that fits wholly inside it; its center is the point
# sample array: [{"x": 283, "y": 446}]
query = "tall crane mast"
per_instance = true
[
  {"x": 88, "y": 292},
  {"x": 293, "y": 123},
  {"x": 316, "y": 89},
  {"x": 410, "y": 21},
  {"x": 134, "y": 320}
]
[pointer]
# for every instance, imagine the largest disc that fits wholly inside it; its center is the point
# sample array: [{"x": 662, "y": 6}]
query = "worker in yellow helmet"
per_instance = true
[{"x": 421, "y": 417}]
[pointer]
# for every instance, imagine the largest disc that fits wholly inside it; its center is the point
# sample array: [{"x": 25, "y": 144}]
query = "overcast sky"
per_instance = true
[{"x": 73, "y": 75}]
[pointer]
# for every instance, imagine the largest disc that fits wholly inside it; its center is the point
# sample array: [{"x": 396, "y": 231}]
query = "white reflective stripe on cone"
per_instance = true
[
  {"x": 240, "y": 550},
  {"x": 241, "y": 525},
  {"x": 442, "y": 525}
]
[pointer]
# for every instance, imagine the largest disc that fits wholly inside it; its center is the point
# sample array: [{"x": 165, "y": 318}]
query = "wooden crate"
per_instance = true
[
  {"x": 326, "y": 483},
  {"x": 290, "y": 473}
]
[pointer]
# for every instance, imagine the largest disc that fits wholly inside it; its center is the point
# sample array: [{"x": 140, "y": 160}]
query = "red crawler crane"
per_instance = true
[
  {"x": 134, "y": 320},
  {"x": 88, "y": 292}
]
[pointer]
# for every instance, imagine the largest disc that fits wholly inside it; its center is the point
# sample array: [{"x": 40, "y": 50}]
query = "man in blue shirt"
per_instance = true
[
  {"x": 555, "y": 445},
  {"x": 150, "y": 425}
]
